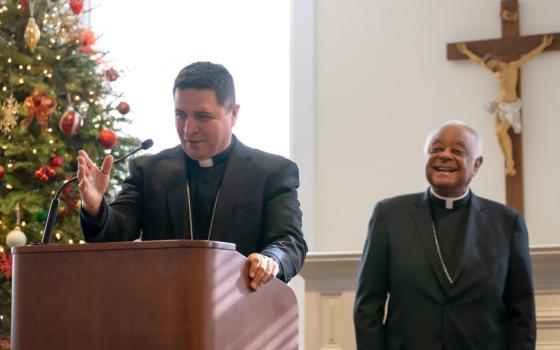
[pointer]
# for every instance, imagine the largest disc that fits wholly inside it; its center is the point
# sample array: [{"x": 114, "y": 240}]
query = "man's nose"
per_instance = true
[
  {"x": 190, "y": 127},
  {"x": 445, "y": 154}
]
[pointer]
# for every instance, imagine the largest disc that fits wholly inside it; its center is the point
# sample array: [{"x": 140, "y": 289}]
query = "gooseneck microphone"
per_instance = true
[{"x": 53, "y": 209}]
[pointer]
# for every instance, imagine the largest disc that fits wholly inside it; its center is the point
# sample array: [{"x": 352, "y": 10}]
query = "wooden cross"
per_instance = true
[{"x": 510, "y": 47}]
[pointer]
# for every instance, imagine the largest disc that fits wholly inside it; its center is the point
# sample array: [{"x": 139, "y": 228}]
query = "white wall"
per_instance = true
[{"x": 382, "y": 82}]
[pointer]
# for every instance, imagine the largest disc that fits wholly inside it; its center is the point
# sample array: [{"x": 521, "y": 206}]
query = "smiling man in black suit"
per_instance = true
[
  {"x": 453, "y": 268},
  {"x": 210, "y": 187}
]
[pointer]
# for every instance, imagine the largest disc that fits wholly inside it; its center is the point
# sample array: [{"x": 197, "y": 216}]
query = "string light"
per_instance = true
[
  {"x": 4, "y": 88},
  {"x": 57, "y": 235},
  {"x": 19, "y": 6},
  {"x": 71, "y": 241},
  {"x": 21, "y": 80},
  {"x": 51, "y": 141},
  {"x": 34, "y": 151},
  {"x": 10, "y": 165},
  {"x": 28, "y": 67},
  {"x": 10, "y": 60},
  {"x": 39, "y": 57},
  {"x": 76, "y": 98},
  {"x": 96, "y": 126},
  {"x": 20, "y": 67},
  {"x": 58, "y": 57},
  {"x": 52, "y": 193},
  {"x": 23, "y": 224},
  {"x": 82, "y": 241},
  {"x": 8, "y": 186},
  {"x": 49, "y": 129}
]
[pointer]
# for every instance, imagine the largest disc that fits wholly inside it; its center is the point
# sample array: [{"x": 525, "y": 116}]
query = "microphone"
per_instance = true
[{"x": 53, "y": 209}]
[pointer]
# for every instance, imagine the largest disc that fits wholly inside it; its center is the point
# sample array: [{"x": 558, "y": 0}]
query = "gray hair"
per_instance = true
[{"x": 434, "y": 132}]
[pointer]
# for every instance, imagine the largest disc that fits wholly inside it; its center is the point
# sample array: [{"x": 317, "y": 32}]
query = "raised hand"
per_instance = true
[{"x": 93, "y": 182}]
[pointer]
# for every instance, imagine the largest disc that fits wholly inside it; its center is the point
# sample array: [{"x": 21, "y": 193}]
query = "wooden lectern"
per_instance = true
[{"x": 146, "y": 295}]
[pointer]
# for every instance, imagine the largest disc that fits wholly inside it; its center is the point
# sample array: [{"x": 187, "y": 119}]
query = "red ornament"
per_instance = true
[
  {"x": 2, "y": 172},
  {"x": 6, "y": 268},
  {"x": 41, "y": 174},
  {"x": 24, "y": 4},
  {"x": 50, "y": 172},
  {"x": 107, "y": 138},
  {"x": 123, "y": 108},
  {"x": 77, "y": 6},
  {"x": 87, "y": 39},
  {"x": 71, "y": 122},
  {"x": 55, "y": 161},
  {"x": 111, "y": 74}
]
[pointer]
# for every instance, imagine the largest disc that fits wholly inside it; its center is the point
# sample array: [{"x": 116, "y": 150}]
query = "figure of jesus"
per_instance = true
[{"x": 506, "y": 108}]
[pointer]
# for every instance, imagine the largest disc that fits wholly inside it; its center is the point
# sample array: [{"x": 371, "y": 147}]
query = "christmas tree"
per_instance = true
[{"x": 55, "y": 99}]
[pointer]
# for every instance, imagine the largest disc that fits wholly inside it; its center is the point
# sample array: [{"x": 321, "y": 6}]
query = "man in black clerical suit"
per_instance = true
[
  {"x": 453, "y": 268},
  {"x": 210, "y": 187}
]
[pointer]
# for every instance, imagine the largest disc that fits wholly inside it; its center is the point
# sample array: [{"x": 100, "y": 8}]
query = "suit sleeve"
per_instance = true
[
  {"x": 519, "y": 295},
  {"x": 121, "y": 220},
  {"x": 372, "y": 285},
  {"x": 281, "y": 225}
]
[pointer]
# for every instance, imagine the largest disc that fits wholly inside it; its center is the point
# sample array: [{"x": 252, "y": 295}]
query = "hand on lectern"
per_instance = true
[
  {"x": 93, "y": 182},
  {"x": 261, "y": 270}
]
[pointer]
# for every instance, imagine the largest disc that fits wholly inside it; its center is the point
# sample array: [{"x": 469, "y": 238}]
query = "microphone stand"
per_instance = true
[{"x": 53, "y": 209}]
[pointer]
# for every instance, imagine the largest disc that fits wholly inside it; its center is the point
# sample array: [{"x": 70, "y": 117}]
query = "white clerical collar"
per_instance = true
[
  {"x": 206, "y": 163},
  {"x": 449, "y": 201}
]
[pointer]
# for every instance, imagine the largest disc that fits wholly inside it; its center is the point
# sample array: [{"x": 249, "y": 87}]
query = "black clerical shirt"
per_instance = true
[
  {"x": 451, "y": 229},
  {"x": 204, "y": 184}
]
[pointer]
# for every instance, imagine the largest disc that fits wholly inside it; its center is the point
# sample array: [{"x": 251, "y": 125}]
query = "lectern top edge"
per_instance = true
[{"x": 163, "y": 244}]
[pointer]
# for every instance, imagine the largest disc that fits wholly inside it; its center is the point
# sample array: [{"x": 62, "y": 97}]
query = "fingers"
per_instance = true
[
  {"x": 261, "y": 270},
  {"x": 107, "y": 165}
]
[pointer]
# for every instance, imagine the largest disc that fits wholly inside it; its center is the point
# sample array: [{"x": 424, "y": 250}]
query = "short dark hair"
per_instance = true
[{"x": 207, "y": 75}]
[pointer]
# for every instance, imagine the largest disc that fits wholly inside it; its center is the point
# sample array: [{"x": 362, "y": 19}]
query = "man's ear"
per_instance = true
[
  {"x": 234, "y": 113},
  {"x": 477, "y": 163}
]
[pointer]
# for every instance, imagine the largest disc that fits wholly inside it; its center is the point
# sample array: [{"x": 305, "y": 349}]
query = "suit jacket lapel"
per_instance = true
[
  {"x": 423, "y": 220},
  {"x": 175, "y": 170},
  {"x": 475, "y": 224},
  {"x": 233, "y": 183}
]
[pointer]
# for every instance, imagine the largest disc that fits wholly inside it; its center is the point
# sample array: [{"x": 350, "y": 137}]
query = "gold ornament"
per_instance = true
[
  {"x": 32, "y": 34},
  {"x": 10, "y": 110}
]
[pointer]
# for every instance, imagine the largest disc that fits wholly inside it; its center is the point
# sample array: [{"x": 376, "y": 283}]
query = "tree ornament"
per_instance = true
[
  {"x": 86, "y": 40},
  {"x": 77, "y": 6},
  {"x": 55, "y": 162},
  {"x": 10, "y": 110},
  {"x": 111, "y": 74},
  {"x": 32, "y": 34},
  {"x": 39, "y": 106},
  {"x": 123, "y": 108},
  {"x": 16, "y": 237},
  {"x": 41, "y": 216},
  {"x": 44, "y": 173},
  {"x": 107, "y": 138},
  {"x": 24, "y": 4},
  {"x": 2, "y": 172},
  {"x": 71, "y": 122}
]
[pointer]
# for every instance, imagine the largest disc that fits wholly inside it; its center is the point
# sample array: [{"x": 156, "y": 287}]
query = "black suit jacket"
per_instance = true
[
  {"x": 489, "y": 306},
  {"x": 258, "y": 208}
]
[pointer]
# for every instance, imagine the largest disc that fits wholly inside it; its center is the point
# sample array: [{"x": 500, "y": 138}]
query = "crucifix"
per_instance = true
[{"x": 504, "y": 57}]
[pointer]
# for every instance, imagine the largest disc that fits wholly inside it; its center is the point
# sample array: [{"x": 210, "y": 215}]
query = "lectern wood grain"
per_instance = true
[{"x": 146, "y": 295}]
